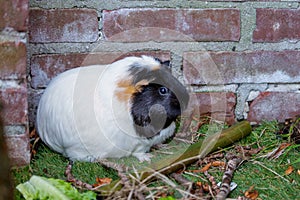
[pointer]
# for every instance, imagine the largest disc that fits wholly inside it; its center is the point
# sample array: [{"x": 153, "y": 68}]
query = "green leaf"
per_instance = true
[
  {"x": 28, "y": 191},
  {"x": 42, "y": 188},
  {"x": 167, "y": 198}
]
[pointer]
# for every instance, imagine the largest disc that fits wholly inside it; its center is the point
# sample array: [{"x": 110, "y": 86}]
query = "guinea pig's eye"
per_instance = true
[{"x": 163, "y": 90}]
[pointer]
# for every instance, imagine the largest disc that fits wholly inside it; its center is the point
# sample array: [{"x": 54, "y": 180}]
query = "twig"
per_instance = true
[
  {"x": 200, "y": 190},
  {"x": 139, "y": 195},
  {"x": 232, "y": 165},
  {"x": 209, "y": 158},
  {"x": 195, "y": 175},
  {"x": 164, "y": 152},
  {"x": 130, "y": 188},
  {"x": 259, "y": 163},
  {"x": 121, "y": 169},
  {"x": 211, "y": 192},
  {"x": 115, "y": 166},
  {"x": 215, "y": 187},
  {"x": 193, "y": 153},
  {"x": 243, "y": 198},
  {"x": 73, "y": 180},
  {"x": 182, "y": 140},
  {"x": 180, "y": 179}
]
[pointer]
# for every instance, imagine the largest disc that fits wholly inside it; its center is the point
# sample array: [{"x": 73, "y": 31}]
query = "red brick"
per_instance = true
[
  {"x": 12, "y": 60},
  {"x": 45, "y": 67},
  {"x": 275, "y": 25},
  {"x": 14, "y": 14},
  {"x": 18, "y": 149},
  {"x": 218, "y": 105},
  {"x": 244, "y": 0},
  {"x": 274, "y": 106},
  {"x": 130, "y": 25},
  {"x": 242, "y": 67},
  {"x": 15, "y": 105},
  {"x": 63, "y": 25}
]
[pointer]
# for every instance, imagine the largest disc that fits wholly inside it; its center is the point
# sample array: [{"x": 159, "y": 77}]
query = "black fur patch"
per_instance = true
[{"x": 152, "y": 111}]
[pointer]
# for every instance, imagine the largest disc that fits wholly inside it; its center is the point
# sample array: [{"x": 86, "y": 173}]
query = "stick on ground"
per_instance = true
[
  {"x": 73, "y": 180},
  {"x": 232, "y": 165}
]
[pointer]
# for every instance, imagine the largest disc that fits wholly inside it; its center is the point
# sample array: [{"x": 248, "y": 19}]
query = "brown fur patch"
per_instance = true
[
  {"x": 140, "y": 84},
  {"x": 126, "y": 89}
]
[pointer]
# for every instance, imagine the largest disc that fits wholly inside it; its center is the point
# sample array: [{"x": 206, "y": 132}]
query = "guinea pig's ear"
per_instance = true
[
  {"x": 139, "y": 85},
  {"x": 166, "y": 64}
]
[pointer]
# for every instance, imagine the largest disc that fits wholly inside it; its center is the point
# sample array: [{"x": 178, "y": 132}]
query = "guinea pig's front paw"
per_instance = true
[{"x": 143, "y": 156}]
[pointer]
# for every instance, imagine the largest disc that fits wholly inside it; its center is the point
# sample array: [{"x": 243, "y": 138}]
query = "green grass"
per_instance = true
[
  {"x": 267, "y": 176},
  {"x": 268, "y": 184},
  {"x": 50, "y": 164}
]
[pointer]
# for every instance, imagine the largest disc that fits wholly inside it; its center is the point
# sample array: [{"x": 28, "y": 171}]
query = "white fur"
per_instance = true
[{"x": 80, "y": 116}]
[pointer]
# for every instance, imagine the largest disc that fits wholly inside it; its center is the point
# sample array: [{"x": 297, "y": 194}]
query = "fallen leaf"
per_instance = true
[
  {"x": 289, "y": 170},
  {"x": 33, "y": 134},
  {"x": 205, "y": 187},
  {"x": 218, "y": 164},
  {"x": 102, "y": 181},
  {"x": 276, "y": 153},
  {"x": 251, "y": 193},
  {"x": 199, "y": 189},
  {"x": 205, "y": 168},
  {"x": 248, "y": 151},
  {"x": 198, "y": 183}
]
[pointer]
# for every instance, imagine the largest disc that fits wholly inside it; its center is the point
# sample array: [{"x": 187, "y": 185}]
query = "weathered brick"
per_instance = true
[
  {"x": 275, "y": 25},
  {"x": 218, "y": 105},
  {"x": 15, "y": 105},
  {"x": 12, "y": 60},
  {"x": 243, "y": 0},
  {"x": 274, "y": 106},
  {"x": 14, "y": 14},
  {"x": 63, "y": 25},
  {"x": 18, "y": 149},
  {"x": 33, "y": 102},
  {"x": 130, "y": 25},
  {"x": 45, "y": 67},
  {"x": 242, "y": 67}
]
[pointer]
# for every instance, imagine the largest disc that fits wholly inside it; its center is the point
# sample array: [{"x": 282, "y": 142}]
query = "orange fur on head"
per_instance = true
[{"x": 126, "y": 89}]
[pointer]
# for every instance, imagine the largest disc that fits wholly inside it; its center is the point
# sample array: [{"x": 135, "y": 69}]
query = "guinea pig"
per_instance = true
[{"x": 111, "y": 111}]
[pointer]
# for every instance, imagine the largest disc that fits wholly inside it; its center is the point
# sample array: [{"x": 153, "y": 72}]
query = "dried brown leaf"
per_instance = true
[
  {"x": 289, "y": 170},
  {"x": 218, "y": 164},
  {"x": 198, "y": 183},
  {"x": 205, "y": 187},
  {"x": 248, "y": 151},
  {"x": 276, "y": 153},
  {"x": 33, "y": 134},
  {"x": 251, "y": 193},
  {"x": 102, "y": 181},
  {"x": 206, "y": 167}
]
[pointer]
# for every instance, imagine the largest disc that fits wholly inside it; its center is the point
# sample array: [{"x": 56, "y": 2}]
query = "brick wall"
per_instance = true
[
  {"x": 240, "y": 58},
  {"x": 13, "y": 83}
]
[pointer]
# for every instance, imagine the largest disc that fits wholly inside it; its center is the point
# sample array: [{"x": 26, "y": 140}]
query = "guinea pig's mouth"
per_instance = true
[{"x": 156, "y": 120}]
